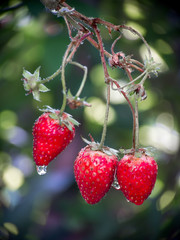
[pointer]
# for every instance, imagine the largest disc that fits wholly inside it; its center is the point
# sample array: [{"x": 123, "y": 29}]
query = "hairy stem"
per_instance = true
[
  {"x": 106, "y": 74},
  {"x": 63, "y": 78},
  {"x": 106, "y": 118},
  {"x": 45, "y": 80},
  {"x": 136, "y": 133}
]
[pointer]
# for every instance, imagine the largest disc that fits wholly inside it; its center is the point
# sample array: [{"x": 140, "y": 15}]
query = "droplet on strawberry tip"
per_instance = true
[
  {"x": 41, "y": 170},
  {"x": 115, "y": 184}
]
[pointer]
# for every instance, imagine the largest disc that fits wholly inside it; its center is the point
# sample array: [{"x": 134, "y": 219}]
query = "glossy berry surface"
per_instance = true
[
  {"x": 94, "y": 173},
  {"x": 50, "y": 138},
  {"x": 137, "y": 177}
]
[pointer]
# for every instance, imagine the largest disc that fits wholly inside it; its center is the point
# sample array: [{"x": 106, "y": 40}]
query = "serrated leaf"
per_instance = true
[{"x": 43, "y": 88}]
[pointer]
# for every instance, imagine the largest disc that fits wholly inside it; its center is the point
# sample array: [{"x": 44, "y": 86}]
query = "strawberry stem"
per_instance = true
[
  {"x": 63, "y": 79},
  {"x": 136, "y": 132},
  {"x": 45, "y": 80},
  {"x": 106, "y": 118},
  {"x": 84, "y": 68}
]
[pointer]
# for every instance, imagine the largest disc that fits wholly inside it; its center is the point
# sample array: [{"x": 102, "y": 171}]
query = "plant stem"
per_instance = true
[
  {"x": 134, "y": 80},
  {"x": 63, "y": 78},
  {"x": 106, "y": 118},
  {"x": 106, "y": 74},
  {"x": 136, "y": 132},
  {"x": 45, "y": 80},
  {"x": 84, "y": 68}
]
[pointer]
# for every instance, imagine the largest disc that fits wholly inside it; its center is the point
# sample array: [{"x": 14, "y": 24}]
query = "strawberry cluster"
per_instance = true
[{"x": 95, "y": 171}]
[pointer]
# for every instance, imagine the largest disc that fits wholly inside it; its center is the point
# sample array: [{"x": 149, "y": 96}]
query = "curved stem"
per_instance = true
[
  {"x": 84, "y": 68},
  {"x": 45, "y": 80},
  {"x": 106, "y": 118},
  {"x": 63, "y": 78}
]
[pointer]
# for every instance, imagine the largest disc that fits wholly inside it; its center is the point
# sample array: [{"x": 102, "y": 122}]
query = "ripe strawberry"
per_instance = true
[
  {"x": 136, "y": 177},
  {"x": 94, "y": 173},
  {"x": 51, "y": 137}
]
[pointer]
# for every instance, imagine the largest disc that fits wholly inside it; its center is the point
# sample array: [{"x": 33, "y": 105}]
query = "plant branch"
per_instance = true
[{"x": 106, "y": 74}]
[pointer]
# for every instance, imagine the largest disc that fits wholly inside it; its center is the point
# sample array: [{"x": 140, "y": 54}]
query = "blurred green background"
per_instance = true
[{"x": 47, "y": 207}]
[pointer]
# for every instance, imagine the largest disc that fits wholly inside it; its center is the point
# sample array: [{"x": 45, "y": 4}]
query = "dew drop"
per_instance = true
[
  {"x": 41, "y": 170},
  {"x": 115, "y": 184}
]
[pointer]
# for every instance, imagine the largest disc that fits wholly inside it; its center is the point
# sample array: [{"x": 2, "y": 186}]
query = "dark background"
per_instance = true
[{"x": 47, "y": 207}]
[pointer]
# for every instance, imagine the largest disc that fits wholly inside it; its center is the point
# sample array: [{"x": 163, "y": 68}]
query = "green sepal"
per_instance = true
[
  {"x": 75, "y": 122},
  {"x": 43, "y": 88},
  {"x": 54, "y": 116},
  {"x": 36, "y": 95}
]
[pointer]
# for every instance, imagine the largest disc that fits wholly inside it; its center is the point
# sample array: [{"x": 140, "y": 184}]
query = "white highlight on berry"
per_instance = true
[{"x": 41, "y": 170}]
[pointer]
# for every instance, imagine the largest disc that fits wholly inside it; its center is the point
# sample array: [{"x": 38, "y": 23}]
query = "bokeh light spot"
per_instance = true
[
  {"x": 96, "y": 113},
  {"x": 8, "y": 119},
  {"x": 132, "y": 10},
  {"x": 166, "y": 199},
  {"x": 12, "y": 228},
  {"x": 13, "y": 178}
]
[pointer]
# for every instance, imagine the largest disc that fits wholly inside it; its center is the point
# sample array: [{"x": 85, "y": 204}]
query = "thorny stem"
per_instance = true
[
  {"x": 106, "y": 118},
  {"x": 84, "y": 68}
]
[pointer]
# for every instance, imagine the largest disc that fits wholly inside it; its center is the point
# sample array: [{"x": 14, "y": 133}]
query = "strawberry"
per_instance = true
[
  {"x": 136, "y": 177},
  {"x": 94, "y": 173},
  {"x": 51, "y": 136}
]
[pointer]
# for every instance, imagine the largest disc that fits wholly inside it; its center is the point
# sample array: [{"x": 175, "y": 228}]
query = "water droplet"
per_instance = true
[
  {"x": 115, "y": 184},
  {"x": 41, "y": 170}
]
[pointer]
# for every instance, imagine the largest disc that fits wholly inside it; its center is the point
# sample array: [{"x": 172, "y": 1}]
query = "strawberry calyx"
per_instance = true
[
  {"x": 64, "y": 118},
  {"x": 95, "y": 146},
  {"x": 33, "y": 83},
  {"x": 137, "y": 153},
  {"x": 75, "y": 102}
]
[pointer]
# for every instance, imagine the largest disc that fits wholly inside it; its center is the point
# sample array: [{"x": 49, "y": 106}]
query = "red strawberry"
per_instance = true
[
  {"x": 51, "y": 137},
  {"x": 136, "y": 177},
  {"x": 94, "y": 173}
]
